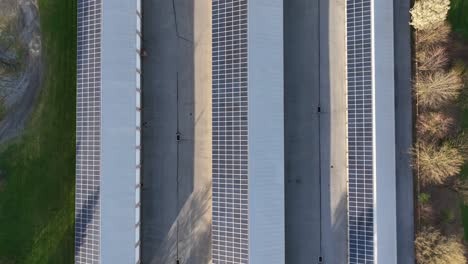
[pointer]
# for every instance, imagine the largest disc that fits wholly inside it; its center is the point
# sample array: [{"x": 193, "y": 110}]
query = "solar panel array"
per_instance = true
[
  {"x": 360, "y": 137},
  {"x": 88, "y": 112},
  {"x": 230, "y": 157}
]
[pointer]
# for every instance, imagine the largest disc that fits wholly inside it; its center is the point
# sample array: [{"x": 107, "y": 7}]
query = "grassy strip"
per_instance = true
[
  {"x": 458, "y": 16},
  {"x": 465, "y": 221},
  {"x": 36, "y": 205},
  {"x": 464, "y": 172}
]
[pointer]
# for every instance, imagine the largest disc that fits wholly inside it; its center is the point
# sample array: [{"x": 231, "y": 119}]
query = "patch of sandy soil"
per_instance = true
[{"x": 19, "y": 94}]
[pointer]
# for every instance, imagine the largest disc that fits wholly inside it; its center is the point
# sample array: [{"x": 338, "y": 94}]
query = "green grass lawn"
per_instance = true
[
  {"x": 458, "y": 16},
  {"x": 37, "y": 203}
]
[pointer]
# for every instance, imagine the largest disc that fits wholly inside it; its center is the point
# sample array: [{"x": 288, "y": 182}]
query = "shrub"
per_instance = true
[
  {"x": 432, "y": 58},
  {"x": 436, "y": 165},
  {"x": 424, "y": 198},
  {"x": 428, "y": 14},
  {"x": 435, "y": 89},
  {"x": 434, "y": 125},
  {"x": 434, "y": 248}
]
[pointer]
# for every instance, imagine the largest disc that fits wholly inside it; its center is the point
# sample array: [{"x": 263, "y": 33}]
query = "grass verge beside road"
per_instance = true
[{"x": 37, "y": 200}]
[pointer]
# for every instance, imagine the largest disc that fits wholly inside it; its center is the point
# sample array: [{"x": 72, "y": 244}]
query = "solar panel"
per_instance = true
[
  {"x": 360, "y": 135},
  {"x": 229, "y": 126},
  {"x": 88, "y": 114}
]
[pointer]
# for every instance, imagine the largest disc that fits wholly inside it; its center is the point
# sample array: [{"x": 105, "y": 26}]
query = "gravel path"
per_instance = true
[{"x": 19, "y": 98}]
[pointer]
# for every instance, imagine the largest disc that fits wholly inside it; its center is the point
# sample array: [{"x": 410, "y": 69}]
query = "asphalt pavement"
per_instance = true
[{"x": 404, "y": 132}]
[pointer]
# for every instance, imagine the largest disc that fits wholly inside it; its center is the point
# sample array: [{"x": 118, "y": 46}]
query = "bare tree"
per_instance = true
[
  {"x": 432, "y": 58},
  {"x": 436, "y": 165},
  {"x": 434, "y": 248},
  {"x": 439, "y": 35},
  {"x": 435, "y": 89},
  {"x": 433, "y": 126}
]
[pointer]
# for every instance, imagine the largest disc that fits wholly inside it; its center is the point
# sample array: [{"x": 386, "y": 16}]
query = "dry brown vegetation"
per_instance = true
[
  {"x": 437, "y": 36},
  {"x": 434, "y": 125},
  {"x": 439, "y": 153},
  {"x": 434, "y": 248},
  {"x": 432, "y": 57},
  {"x": 435, "y": 89},
  {"x": 438, "y": 164}
]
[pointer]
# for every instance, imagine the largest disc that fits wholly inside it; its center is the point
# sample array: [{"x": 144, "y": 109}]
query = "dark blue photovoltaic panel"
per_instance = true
[
  {"x": 88, "y": 115},
  {"x": 229, "y": 142},
  {"x": 360, "y": 137}
]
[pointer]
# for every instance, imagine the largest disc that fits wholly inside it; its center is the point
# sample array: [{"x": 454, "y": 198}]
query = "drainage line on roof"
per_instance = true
[
  {"x": 320, "y": 127},
  {"x": 177, "y": 169}
]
